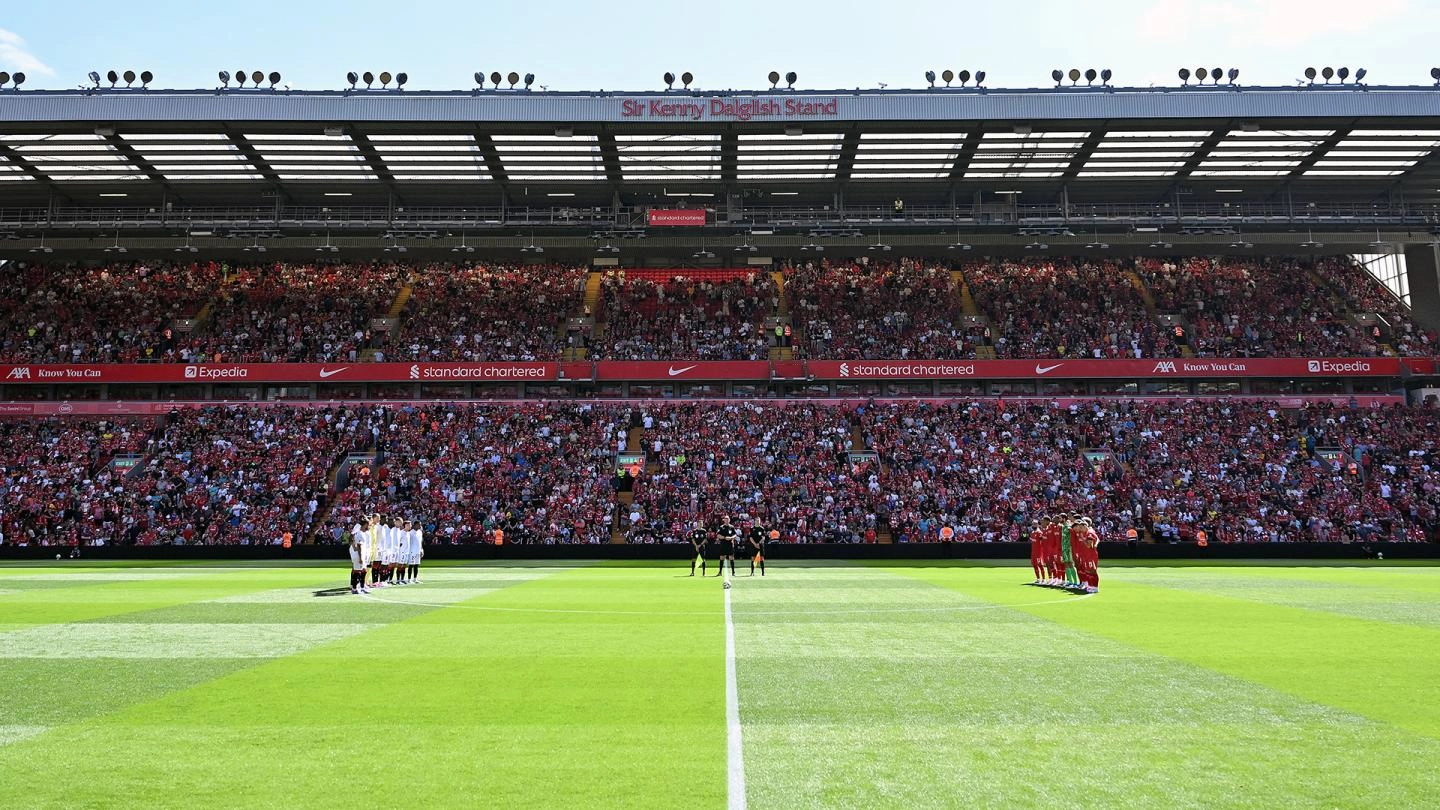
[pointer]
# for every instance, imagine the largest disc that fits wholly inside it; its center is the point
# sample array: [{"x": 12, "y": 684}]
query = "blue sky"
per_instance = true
[{"x": 628, "y": 45}]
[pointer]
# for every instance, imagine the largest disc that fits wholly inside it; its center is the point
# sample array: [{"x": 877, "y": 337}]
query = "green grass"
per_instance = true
[{"x": 603, "y": 685}]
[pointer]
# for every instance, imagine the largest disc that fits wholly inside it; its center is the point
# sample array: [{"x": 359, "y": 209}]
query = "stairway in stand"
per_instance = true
[
  {"x": 967, "y": 301},
  {"x": 1144, "y": 291},
  {"x": 857, "y": 445}
]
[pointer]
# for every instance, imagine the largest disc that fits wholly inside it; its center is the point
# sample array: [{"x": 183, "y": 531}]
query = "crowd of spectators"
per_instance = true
[
  {"x": 1066, "y": 308},
  {"x": 1366, "y": 296},
  {"x": 538, "y": 473},
  {"x": 1253, "y": 308},
  {"x": 115, "y": 313},
  {"x": 784, "y": 467},
  {"x": 1241, "y": 471},
  {"x": 479, "y": 312},
  {"x": 683, "y": 318},
  {"x": 279, "y": 313},
  {"x": 877, "y": 310}
]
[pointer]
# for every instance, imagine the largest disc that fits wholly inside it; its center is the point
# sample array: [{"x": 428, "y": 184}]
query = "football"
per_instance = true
[{"x": 727, "y": 584}]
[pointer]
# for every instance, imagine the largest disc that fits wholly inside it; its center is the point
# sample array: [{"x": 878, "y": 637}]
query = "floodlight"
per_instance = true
[
  {"x": 1343, "y": 73},
  {"x": 480, "y": 78},
  {"x": 979, "y": 77},
  {"x": 686, "y": 78},
  {"x": 354, "y": 77},
  {"x": 948, "y": 75},
  {"x": 930, "y": 77},
  {"x": 669, "y": 80},
  {"x": 4, "y": 78},
  {"x": 963, "y": 76},
  {"x": 256, "y": 78},
  {"x": 401, "y": 79},
  {"x": 774, "y": 78},
  {"x": 274, "y": 78},
  {"x": 385, "y": 77},
  {"x": 1201, "y": 74},
  {"x": 368, "y": 77},
  {"x": 95, "y": 77},
  {"x": 1328, "y": 73},
  {"x": 529, "y": 80},
  {"x": 1057, "y": 76},
  {"x": 1359, "y": 74},
  {"x": 146, "y": 77},
  {"x": 1105, "y": 76},
  {"x": 513, "y": 78},
  {"x": 1310, "y": 74},
  {"x": 129, "y": 77},
  {"x": 495, "y": 78},
  {"x": 790, "y": 79},
  {"x": 18, "y": 78},
  {"x": 240, "y": 78},
  {"x": 113, "y": 77},
  {"x": 224, "y": 78},
  {"x": 1090, "y": 76},
  {"x": 1234, "y": 74},
  {"x": 1215, "y": 74},
  {"x": 1074, "y": 75}
]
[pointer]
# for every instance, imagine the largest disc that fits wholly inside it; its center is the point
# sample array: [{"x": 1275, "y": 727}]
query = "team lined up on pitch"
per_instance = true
[
  {"x": 1065, "y": 553},
  {"x": 391, "y": 554}
]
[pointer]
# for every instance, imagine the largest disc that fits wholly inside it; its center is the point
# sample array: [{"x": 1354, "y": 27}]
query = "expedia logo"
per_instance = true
[
  {"x": 844, "y": 369},
  {"x": 216, "y": 372},
  {"x": 1332, "y": 367},
  {"x": 415, "y": 372},
  {"x": 19, "y": 373}
]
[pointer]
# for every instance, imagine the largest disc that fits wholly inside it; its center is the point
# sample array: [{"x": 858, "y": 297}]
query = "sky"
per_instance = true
[{"x": 624, "y": 45}]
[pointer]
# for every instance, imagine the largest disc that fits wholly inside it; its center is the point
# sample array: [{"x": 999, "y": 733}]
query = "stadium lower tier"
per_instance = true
[{"x": 651, "y": 472}]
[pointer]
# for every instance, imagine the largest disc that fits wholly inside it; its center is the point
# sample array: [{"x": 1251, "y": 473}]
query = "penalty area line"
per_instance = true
[{"x": 734, "y": 749}]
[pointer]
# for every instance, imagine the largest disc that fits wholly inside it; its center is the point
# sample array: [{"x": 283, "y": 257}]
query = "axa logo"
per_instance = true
[
  {"x": 19, "y": 373},
  {"x": 415, "y": 372},
  {"x": 844, "y": 369},
  {"x": 191, "y": 372},
  {"x": 1163, "y": 367}
]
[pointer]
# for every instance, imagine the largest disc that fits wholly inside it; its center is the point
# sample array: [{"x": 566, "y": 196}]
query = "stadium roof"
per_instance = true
[{"x": 1366, "y": 155}]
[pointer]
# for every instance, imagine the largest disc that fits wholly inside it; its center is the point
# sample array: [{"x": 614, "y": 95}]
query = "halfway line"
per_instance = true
[{"x": 735, "y": 754}]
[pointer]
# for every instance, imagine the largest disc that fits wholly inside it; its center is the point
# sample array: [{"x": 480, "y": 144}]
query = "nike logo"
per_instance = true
[
  {"x": 675, "y": 372},
  {"x": 1039, "y": 369},
  {"x": 332, "y": 372}
]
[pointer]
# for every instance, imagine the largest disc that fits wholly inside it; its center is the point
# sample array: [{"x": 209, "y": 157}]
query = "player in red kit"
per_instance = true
[
  {"x": 1037, "y": 550},
  {"x": 1054, "y": 564},
  {"x": 1090, "y": 568}
]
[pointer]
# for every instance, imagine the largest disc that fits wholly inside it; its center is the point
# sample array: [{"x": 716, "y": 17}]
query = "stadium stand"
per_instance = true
[{"x": 873, "y": 310}]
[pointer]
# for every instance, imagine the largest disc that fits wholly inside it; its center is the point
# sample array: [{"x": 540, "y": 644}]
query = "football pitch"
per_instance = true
[{"x": 609, "y": 685}]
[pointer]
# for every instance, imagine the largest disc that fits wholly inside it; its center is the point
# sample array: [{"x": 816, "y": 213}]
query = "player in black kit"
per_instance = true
[
  {"x": 755, "y": 537},
  {"x": 698, "y": 537},
  {"x": 727, "y": 536}
]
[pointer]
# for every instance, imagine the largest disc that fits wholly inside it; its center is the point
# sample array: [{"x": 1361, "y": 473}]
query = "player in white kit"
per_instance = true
[
  {"x": 357, "y": 559},
  {"x": 416, "y": 550}
]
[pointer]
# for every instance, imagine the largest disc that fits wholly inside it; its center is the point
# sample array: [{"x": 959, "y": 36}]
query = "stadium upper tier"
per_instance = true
[
  {"x": 837, "y": 472},
  {"x": 330, "y": 312}
]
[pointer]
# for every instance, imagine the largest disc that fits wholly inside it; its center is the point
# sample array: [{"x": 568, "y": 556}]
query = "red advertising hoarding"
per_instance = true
[
  {"x": 676, "y": 216},
  {"x": 740, "y": 370}
]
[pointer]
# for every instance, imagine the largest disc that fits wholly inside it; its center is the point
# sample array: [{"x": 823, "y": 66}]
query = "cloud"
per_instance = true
[
  {"x": 1273, "y": 23},
  {"x": 15, "y": 56}
]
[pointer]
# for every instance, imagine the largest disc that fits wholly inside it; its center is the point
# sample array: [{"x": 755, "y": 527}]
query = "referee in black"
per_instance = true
[
  {"x": 698, "y": 537},
  {"x": 755, "y": 538},
  {"x": 727, "y": 535}
]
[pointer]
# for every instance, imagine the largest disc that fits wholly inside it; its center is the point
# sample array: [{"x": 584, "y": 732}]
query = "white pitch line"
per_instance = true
[{"x": 735, "y": 752}]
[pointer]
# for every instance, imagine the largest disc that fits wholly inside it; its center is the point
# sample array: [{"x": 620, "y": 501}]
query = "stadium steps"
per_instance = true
[
  {"x": 985, "y": 352},
  {"x": 967, "y": 301},
  {"x": 592, "y": 295},
  {"x": 1186, "y": 352},
  {"x": 635, "y": 440},
  {"x": 781, "y": 353},
  {"x": 1144, "y": 291},
  {"x": 779, "y": 279},
  {"x": 401, "y": 299}
]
